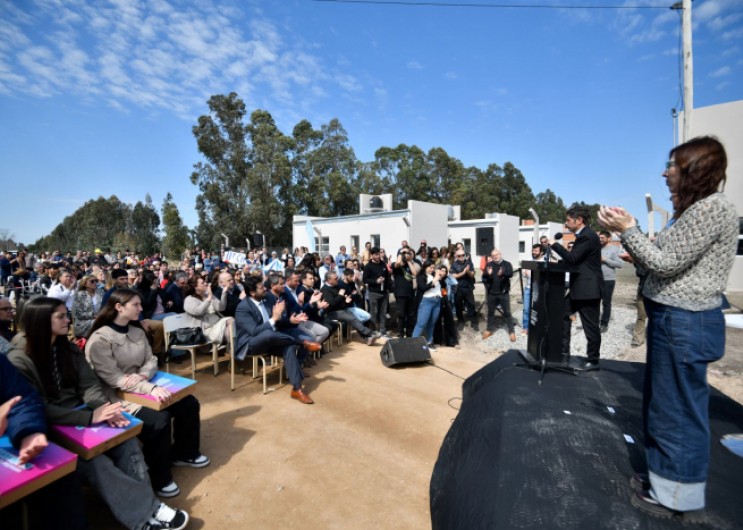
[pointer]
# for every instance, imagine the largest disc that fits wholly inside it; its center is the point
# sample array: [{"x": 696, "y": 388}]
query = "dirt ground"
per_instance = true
[{"x": 361, "y": 457}]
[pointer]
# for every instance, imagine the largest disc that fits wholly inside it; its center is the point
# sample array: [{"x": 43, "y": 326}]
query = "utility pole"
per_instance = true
[
  {"x": 685, "y": 6},
  {"x": 688, "y": 70}
]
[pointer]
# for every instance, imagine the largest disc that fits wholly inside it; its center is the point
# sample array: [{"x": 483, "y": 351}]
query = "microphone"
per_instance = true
[{"x": 558, "y": 236}]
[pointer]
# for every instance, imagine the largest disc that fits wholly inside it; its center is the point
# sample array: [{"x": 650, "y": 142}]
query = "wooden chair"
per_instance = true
[
  {"x": 172, "y": 323},
  {"x": 229, "y": 349}
]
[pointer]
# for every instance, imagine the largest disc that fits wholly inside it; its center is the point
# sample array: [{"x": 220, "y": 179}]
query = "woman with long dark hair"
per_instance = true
[
  {"x": 153, "y": 305},
  {"x": 429, "y": 283},
  {"x": 122, "y": 358},
  {"x": 73, "y": 396},
  {"x": 688, "y": 266}
]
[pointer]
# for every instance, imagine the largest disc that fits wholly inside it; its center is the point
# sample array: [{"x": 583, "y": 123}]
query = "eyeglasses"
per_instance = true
[
  {"x": 460, "y": 255},
  {"x": 92, "y": 281},
  {"x": 9, "y": 309},
  {"x": 670, "y": 164}
]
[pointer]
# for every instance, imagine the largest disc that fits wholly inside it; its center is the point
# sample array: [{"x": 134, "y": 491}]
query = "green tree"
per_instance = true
[
  {"x": 96, "y": 224},
  {"x": 549, "y": 207},
  {"x": 145, "y": 225},
  {"x": 445, "y": 175},
  {"x": 224, "y": 201},
  {"x": 404, "y": 171},
  {"x": 269, "y": 179},
  {"x": 245, "y": 180},
  {"x": 175, "y": 240},
  {"x": 593, "y": 222}
]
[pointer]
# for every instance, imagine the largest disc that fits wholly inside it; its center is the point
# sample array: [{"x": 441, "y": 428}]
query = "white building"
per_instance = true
[{"x": 437, "y": 224}]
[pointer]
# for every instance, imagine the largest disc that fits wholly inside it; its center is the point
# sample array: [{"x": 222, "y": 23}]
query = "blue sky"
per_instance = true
[{"x": 98, "y": 98}]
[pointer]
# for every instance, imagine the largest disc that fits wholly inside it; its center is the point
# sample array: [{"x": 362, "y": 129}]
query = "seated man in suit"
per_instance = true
[
  {"x": 338, "y": 301},
  {"x": 297, "y": 303},
  {"x": 317, "y": 308},
  {"x": 289, "y": 322},
  {"x": 257, "y": 334}
]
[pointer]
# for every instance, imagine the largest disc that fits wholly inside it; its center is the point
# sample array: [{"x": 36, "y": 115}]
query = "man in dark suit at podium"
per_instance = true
[{"x": 585, "y": 284}]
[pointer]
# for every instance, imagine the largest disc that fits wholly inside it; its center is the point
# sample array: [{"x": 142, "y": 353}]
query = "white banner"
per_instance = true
[{"x": 234, "y": 258}]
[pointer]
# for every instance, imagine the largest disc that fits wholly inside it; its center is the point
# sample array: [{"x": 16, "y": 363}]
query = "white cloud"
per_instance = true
[
  {"x": 718, "y": 23},
  {"x": 414, "y": 65},
  {"x": 157, "y": 54},
  {"x": 735, "y": 34},
  {"x": 451, "y": 75},
  {"x": 721, "y": 72}
]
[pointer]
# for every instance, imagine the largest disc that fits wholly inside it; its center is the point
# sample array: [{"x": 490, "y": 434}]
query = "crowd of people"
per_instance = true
[{"x": 92, "y": 325}]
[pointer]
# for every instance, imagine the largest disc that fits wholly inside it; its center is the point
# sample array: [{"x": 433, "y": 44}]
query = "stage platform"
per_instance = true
[{"x": 559, "y": 456}]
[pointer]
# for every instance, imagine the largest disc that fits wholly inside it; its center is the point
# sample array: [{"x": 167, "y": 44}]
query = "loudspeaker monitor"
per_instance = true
[
  {"x": 405, "y": 351},
  {"x": 485, "y": 240}
]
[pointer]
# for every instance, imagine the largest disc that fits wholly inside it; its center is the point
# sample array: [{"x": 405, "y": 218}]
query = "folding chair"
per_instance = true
[
  {"x": 229, "y": 350},
  {"x": 267, "y": 361},
  {"x": 172, "y": 323}
]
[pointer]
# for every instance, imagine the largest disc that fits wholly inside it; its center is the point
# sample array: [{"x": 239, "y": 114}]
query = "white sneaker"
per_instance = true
[
  {"x": 171, "y": 490},
  {"x": 166, "y": 518},
  {"x": 199, "y": 461}
]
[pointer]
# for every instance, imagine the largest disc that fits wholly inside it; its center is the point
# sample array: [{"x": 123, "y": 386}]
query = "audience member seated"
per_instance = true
[
  {"x": 122, "y": 359},
  {"x": 226, "y": 282},
  {"x": 317, "y": 311},
  {"x": 298, "y": 304},
  {"x": 174, "y": 293},
  {"x": 85, "y": 306},
  {"x": 6, "y": 324},
  {"x": 338, "y": 307},
  {"x": 203, "y": 310},
  {"x": 120, "y": 281},
  {"x": 153, "y": 307},
  {"x": 23, "y": 420},
  {"x": 289, "y": 322},
  {"x": 257, "y": 335},
  {"x": 347, "y": 286},
  {"x": 73, "y": 396},
  {"x": 63, "y": 289}
]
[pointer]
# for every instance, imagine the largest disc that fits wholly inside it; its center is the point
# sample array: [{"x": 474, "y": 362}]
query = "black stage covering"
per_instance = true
[{"x": 556, "y": 456}]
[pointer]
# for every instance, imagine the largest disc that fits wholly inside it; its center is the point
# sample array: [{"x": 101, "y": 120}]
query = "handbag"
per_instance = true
[{"x": 188, "y": 337}]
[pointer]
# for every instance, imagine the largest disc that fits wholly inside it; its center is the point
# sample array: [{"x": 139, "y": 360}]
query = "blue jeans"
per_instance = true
[
  {"x": 527, "y": 310},
  {"x": 680, "y": 345},
  {"x": 428, "y": 313}
]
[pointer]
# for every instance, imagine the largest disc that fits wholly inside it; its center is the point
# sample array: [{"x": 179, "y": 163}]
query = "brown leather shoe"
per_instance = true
[
  {"x": 512, "y": 336},
  {"x": 311, "y": 346},
  {"x": 486, "y": 334},
  {"x": 301, "y": 397}
]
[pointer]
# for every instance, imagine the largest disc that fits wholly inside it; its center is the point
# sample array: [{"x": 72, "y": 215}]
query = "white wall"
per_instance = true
[
  {"x": 725, "y": 121},
  {"x": 428, "y": 221},
  {"x": 505, "y": 235},
  {"x": 526, "y": 234},
  {"x": 389, "y": 225}
]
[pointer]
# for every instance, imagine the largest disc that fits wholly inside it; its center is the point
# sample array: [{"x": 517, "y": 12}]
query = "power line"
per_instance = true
[{"x": 487, "y": 6}]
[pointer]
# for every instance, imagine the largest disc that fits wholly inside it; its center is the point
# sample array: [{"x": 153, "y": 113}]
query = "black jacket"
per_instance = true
[{"x": 588, "y": 282}]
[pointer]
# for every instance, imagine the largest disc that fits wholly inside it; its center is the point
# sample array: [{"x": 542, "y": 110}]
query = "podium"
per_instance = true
[{"x": 547, "y": 305}]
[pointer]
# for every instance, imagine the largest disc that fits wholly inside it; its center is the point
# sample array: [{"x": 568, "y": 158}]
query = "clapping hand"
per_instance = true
[{"x": 615, "y": 218}]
